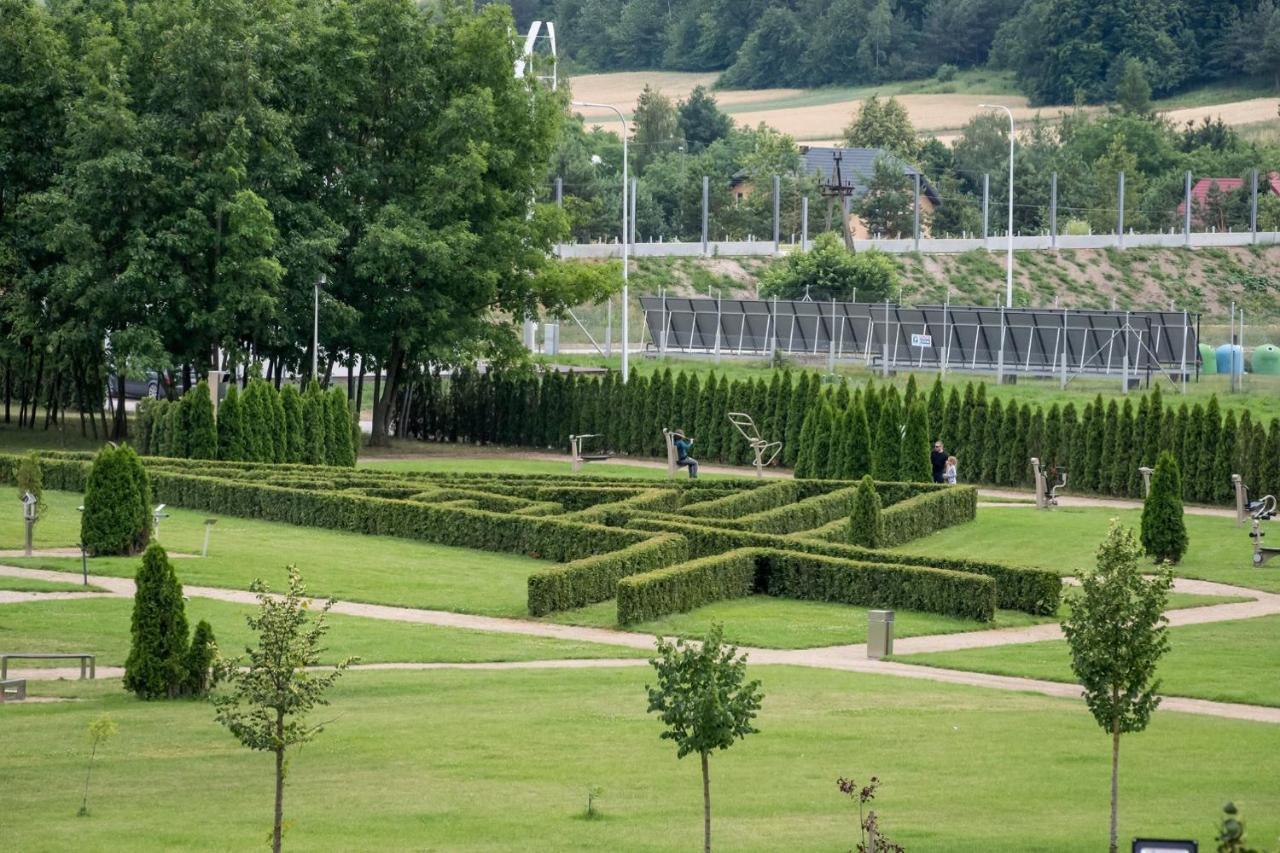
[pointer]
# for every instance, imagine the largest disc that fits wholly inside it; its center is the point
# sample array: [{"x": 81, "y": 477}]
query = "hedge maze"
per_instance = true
[{"x": 655, "y": 547}]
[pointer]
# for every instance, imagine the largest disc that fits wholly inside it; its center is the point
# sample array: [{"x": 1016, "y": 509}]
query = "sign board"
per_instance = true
[{"x": 922, "y": 340}]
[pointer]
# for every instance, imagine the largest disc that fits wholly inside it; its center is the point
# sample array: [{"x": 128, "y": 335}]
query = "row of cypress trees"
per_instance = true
[
  {"x": 260, "y": 424},
  {"x": 834, "y": 430}
]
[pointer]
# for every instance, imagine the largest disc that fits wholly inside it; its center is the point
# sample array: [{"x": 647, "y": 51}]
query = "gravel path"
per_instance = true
[{"x": 851, "y": 658}]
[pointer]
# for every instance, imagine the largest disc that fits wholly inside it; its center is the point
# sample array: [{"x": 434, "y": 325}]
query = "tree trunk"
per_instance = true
[
  {"x": 279, "y": 821},
  {"x": 383, "y": 403},
  {"x": 1115, "y": 779},
  {"x": 706, "y": 805},
  {"x": 8, "y": 388},
  {"x": 121, "y": 429}
]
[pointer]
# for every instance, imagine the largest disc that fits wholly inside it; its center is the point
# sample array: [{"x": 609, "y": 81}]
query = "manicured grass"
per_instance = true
[
  {"x": 1065, "y": 540},
  {"x": 501, "y": 761},
  {"x": 102, "y": 626},
  {"x": 782, "y": 623},
  {"x": 346, "y": 566},
  {"x": 1236, "y": 661},
  {"x": 32, "y": 585}
]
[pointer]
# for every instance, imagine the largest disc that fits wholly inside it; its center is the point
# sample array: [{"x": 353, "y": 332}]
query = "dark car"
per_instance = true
[{"x": 153, "y": 384}]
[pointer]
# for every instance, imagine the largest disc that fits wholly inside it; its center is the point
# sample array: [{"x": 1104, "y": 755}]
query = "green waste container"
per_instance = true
[
  {"x": 1208, "y": 359},
  {"x": 1266, "y": 360}
]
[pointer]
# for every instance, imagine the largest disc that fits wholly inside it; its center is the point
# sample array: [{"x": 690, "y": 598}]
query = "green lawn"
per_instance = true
[
  {"x": 32, "y": 585},
  {"x": 1236, "y": 661},
  {"x": 101, "y": 626},
  {"x": 346, "y": 566},
  {"x": 1065, "y": 540},
  {"x": 501, "y": 761}
]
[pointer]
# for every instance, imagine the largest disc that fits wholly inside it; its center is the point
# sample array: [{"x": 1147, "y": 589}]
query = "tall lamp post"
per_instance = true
[
  {"x": 1008, "y": 284},
  {"x": 315, "y": 330},
  {"x": 626, "y": 235}
]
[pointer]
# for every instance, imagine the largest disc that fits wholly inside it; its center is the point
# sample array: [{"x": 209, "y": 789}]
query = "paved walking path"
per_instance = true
[{"x": 850, "y": 658}]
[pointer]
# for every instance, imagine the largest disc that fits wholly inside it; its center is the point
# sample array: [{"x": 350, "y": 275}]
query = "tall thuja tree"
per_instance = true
[
  {"x": 916, "y": 444},
  {"x": 950, "y": 428},
  {"x": 116, "y": 520},
  {"x": 156, "y": 665},
  {"x": 872, "y": 397},
  {"x": 1121, "y": 448},
  {"x": 1095, "y": 440},
  {"x": 280, "y": 440},
  {"x": 315, "y": 424},
  {"x": 341, "y": 451},
  {"x": 866, "y": 523},
  {"x": 886, "y": 453},
  {"x": 910, "y": 392},
  {"x": 1271, "y": 468},
  {"x": 1117, "y": 633},
  {"x": 258, "y": 422},
  {"x": 857, "y": 444},
  {"x": 1110, "y": 440},
  {"x": 781, "y": 410},
  {"x": 840, "y": 397},
  {"x": 1164, "y": 531},
  {"x": 1244, "y": 450},
  {"x": 1223, "y": 457},
  {"x": 706, "y": 415},
  {"x": 1049, "y": 450},
  {"x": 1006, "y": 449},
  {"x": 1030, "y": 435},
  {"x": 1189, "y": 459},
  {"x": 679, "y": 395},
  {"x": 823, "y": 433},
  {"x": 804, "y": 463},
  {"x": 1175, "y": 428},
  {"x": 202, "y": 431},
  {"x": 724, "y": 398},
  {"x": 797, "y": 410},
  {"x": 975, "y": 446},
  {"x": 1210, "y": 437},
  {"x": 689, "y": 405},
  {"x": 1257, "y": 466},
  {"x": 1067, "y": 435},
  {"x": 232, "y": 445},
  {"x": 291, "y": 402},
  {"x": 937, "y": 406},
  {"x": 1154, "y": 431},
  {"x": 992, "y": 427},
  {"x": 1137, "y": 447}
]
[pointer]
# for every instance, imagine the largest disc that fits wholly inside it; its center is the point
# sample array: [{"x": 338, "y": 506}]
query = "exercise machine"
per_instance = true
[
  {"x": 578, "y": 457},
  {"x": 760, "y": 448},
  {"x": 1046, "y": 495},
  {"x": 1260, "y": 511}
]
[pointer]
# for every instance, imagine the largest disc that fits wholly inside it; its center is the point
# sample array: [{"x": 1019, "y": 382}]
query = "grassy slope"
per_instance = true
[
  {"x": 1224, "y": 661},
  {"x": 502, "y": 761},
  {"x": 101, "y": 626},
  {"x": 1065, "y": 541}
]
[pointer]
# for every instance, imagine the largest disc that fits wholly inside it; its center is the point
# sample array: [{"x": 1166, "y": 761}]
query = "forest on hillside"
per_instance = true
[{"x": 1062, "y": 51}]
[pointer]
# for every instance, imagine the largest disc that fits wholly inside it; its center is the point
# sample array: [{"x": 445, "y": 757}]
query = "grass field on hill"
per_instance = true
[{"x": 500, "y": 761}]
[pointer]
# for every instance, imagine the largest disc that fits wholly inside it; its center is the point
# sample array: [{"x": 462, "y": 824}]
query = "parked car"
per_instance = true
[{"x": 154, "y": 384}]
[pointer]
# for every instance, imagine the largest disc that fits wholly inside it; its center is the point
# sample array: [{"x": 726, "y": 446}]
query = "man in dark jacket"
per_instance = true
[
  {"x": 683, "y": 459},
  {"x": 938, "y": 458}
]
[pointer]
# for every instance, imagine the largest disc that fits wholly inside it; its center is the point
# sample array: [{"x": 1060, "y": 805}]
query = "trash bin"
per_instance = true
[{"x": 879, "y": 634}]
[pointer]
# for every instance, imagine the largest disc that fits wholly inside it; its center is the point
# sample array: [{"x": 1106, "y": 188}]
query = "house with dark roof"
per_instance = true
[
  {"x": 848, "y": 172},
  {"x": 1203, "y": 191}
]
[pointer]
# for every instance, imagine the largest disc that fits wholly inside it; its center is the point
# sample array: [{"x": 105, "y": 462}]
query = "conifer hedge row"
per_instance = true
[
  {"x": 259, "y": 425},
  {"x": 786, "y": 574},
  {"x": 842, "y": 432}
]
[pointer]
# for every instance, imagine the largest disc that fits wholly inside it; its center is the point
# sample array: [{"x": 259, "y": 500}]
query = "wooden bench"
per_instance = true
[
  {"x": 88, "y": 662},
  {"x": 13, "y": 690}
]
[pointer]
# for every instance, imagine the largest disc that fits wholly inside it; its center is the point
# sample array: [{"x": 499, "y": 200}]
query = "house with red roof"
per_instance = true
[{"x": 1206, "y": 191}]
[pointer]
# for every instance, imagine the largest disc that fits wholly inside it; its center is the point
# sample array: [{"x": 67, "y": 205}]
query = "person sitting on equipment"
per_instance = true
[{"x": 683, "y": 459}]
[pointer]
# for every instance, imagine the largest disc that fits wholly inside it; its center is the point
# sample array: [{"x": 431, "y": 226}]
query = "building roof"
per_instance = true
[
  {"x": 1269, "y": 183},
  {"x": 857, "y": 165}
]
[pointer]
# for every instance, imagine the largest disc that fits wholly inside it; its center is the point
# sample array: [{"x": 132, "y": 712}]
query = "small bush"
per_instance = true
[
  {"x": 946, "y": 72},
  {"x": 157, "y": 664},
  {"x": 866, "y": 525},
  {"x": 1164, "y": 532},
  {"x": 117, "y": 504},
  {"x": 198, "y": 667}
]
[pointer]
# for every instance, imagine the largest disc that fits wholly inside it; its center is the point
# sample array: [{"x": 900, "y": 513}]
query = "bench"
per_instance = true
[
  {"x": 13, "y": 690},
  {"x": 578, "y": 457},
  {"x": 88, "y": 662}
]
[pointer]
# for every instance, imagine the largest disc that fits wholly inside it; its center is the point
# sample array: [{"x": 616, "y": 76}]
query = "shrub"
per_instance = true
[
  {"x": 198, "y": 666},
  {"x": 291, "y": 403},
  {"x": 927, "y": 513},
  {"x": 315, "y": 419},
  {"x": 232, "y": 439},
  {"x": 595, "y": 578},
  {"x": 30, "y": 478},
  {"x": 916, "y": 444},
  {"x": 866, "y": 526},
  {"x": 157, "y": 664},
  {"x": 1164, "y": 532},
  {"x": 946, "y": 72},
  {"x": 338, "y": 435},
  {"x": 117, "y": 511}
]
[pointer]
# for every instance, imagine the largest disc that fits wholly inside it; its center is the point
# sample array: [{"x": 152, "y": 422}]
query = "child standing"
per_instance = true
[{"x": 949, "y": 473}]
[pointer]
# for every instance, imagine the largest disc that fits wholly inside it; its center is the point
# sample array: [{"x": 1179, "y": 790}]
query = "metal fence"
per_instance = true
[{"x": 1031, "y": 341}]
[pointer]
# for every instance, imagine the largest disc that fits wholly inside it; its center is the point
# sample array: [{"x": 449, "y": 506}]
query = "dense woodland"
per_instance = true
[{"x": 1061, "y": 50}]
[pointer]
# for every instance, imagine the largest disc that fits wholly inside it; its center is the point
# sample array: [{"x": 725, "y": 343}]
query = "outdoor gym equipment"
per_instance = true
[
  {"x": 1261, "y": 511},
  {"x": 30, "y": 514},
  {"x": 1047, "y": 496},
  {"x": 579, "y": 458},
  {"x": 1146, "y": 473},
  {"x": 669, "y": 438},
  {"x": 759, "y": 447}
]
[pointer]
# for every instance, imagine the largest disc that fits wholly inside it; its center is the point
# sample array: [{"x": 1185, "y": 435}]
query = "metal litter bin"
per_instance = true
[{"x": 879, "y": 634}]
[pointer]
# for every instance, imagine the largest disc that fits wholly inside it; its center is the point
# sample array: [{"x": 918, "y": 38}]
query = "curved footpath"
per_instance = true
[{"x": 850, "y": 658}]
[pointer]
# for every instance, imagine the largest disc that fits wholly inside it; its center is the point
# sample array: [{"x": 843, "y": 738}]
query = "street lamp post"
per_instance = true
[
  {"x": 1008, "y": 283},
  {"x": 626, "y": 234},
  {"x": 315, "y": 330}
]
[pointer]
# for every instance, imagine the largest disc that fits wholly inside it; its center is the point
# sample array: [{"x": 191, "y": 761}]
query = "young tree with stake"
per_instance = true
[
  {"x": 1117, "y": 632},
  {"x": 705, "y": 701},
  {"x": 271, "y": 693}
]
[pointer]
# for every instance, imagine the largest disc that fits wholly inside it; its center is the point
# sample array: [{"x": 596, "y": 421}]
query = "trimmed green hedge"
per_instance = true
[
  {"x": 617, "y": 514},
  {"x": 596, "y": 578},
  {"x": 912, "y": 518},
  {"x": 768, "y": 497},
  {"x": 816, "y": 577},
  {"x": 1035, "y": 591},
  {"x": 804, "y": 515}
]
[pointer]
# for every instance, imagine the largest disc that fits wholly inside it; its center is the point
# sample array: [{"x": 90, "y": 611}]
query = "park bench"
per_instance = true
[
  {"x": 88, "y": 662},
  {"x": 13, "y": 690},
  {"x": 579, "y": 458}
]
